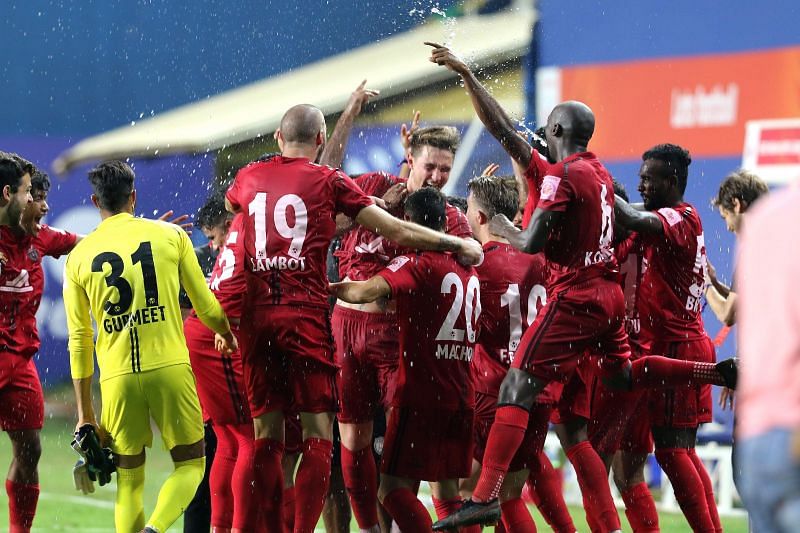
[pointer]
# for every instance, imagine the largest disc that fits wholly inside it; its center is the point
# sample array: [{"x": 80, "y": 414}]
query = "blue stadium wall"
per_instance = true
[{"x": 81, "y": 67}]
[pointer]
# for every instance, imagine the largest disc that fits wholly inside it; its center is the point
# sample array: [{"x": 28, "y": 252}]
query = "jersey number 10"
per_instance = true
[{"x": 510, "y": 299}]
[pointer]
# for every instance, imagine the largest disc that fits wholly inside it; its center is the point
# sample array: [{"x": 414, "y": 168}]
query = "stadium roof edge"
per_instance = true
[{"x": 393, "y": 66}]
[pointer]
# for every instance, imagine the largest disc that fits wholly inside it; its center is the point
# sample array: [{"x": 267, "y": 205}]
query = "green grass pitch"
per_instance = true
[{"x": 61, "y": 508}]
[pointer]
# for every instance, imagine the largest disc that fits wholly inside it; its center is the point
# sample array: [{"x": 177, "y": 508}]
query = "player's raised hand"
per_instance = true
[
  {"x": 407, "y": 131},
  {"x": 500, "y": 225},
  {"x": 178, "y": 221},
  {"x": 226, "y": 344},
  {"x": 490, "y": 170},
  {"x": 360, "y": 97},
  {"x": 441, "y": 55}
]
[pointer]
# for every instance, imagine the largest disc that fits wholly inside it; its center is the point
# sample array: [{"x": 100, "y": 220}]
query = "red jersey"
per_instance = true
[
  {"x": 629, "y": 257},
  {"x": 538, "y": 168},
  {"x": 364, "y": 253},
  {"x": 22, "y": 284},
  {"x": 512, "y": 292},
  {"x": 438, "y": 306},
  {"x": 673, "y": 276},
  {"x": 289, "y": 207},
  {"x": 227, "y": 280},
  {"x": 579, "y": 246}
]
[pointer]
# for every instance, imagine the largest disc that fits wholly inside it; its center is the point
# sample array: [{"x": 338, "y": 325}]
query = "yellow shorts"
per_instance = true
[{"x": 168, "y": 395}]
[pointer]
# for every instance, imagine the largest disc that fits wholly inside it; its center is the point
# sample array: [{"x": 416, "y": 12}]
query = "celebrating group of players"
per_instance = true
[{"x": 550, "y": 299}]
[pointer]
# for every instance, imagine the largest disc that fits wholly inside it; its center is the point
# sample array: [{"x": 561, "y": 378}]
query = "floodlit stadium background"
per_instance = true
[{"x": 192, "y": 90}]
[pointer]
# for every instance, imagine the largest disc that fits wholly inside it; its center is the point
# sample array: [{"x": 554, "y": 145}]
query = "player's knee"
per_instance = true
[
  {"x": 356, "y": 437},
  {"x": 27, "y": 448},
  {"x": 572, "y": 432},
  {"x": 192, "y": 471},
  {"x": 519, "y": 388}
]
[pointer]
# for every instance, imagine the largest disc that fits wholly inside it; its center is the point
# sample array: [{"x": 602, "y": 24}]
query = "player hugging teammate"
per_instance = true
[{"x": 466, "y": 346}]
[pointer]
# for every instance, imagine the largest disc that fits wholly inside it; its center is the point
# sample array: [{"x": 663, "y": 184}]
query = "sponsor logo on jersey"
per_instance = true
[{"x": 21, "y": 283}]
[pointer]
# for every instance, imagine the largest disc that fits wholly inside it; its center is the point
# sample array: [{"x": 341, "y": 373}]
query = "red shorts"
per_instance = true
[
  {"x": 21, "y": 398},
  {"x": 575, "y": 399},
  {"x": 428, "y": 444},
  {"x": 588, "y": 315},
  {"x": 367, "y": 351},
  {"x": 287, "y": 352},
  {"x": 535, "y": 435},
  {"x": 687, "y": 406},
  {"x": 220, "y": 378},
  {"x": 619, "y": 419}
]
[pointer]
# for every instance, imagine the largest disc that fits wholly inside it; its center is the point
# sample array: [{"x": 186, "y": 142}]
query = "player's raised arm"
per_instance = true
[
  {"x": 333, "y": 153},
  {"x": 410, "y": 235},
  {"x": 634, "y": 220},
  {"x": 359, "y": 292},
  {"x": 493, "y": 116}
]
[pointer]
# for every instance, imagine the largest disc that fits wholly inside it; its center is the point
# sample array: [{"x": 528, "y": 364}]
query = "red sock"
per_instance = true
[
  {"x": 546, "y": 486},
  {"x": 505, "y": 437},
  {"x": 267, "y": 455},
  {"x": 688, "y": 487},
  {"x": 640, "y": 509},
  {"x": 516, "y": 518},
  {"x": 711, "y": 503},
  {"x": 593, "y": 480},
  {"x": 655, "y": 371},
  {"x": 22, "y": 500},
  {"x": 445, "y": 508},
  {"x": 219, "y": 480},
  {"x": 361, "y": 481},
  {"x": 288, "y": 509},
  {"x": 311, "y": 483},
  {"x": 409, "y": 513},
  {"x": 245, "y": 502}
]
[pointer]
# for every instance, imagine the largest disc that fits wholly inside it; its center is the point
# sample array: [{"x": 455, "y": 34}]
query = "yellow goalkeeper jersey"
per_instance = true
[{"x": 127, "y": 273}]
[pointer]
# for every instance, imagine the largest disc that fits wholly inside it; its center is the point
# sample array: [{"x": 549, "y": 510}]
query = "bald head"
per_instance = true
[
  {"x": 576, "y": 120},
  {"x": 301, "y": 124}
]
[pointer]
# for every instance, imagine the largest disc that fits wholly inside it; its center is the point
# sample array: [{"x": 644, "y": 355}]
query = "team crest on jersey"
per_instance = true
[
  {"x": 33, "y": 254},
  {"x": 549, "y": 187}
]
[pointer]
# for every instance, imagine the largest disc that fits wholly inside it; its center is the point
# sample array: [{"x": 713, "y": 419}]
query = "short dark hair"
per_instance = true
[
  {"x": 742, "y": 185},
  {"x": 495, "y": 195},
  {"x": 26, "y": 166},
  {"x": 427, "y": 207},
  {"x": 675, "y": 157},
  {"x": 619, "y": 190},
  {"x": 112, "y": 182},
  {"x": 458, "y": 202},
  {"x": 213, "y": 212},
  {"x": 40, "y": 181},
  {"x": 443, "y": 137},
  {"x": 10, "y": 172}
]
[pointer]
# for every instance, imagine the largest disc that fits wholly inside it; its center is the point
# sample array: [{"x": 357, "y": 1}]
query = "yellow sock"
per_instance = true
[
  {"x": 129, "y": 508},
  {"x": 176, "y": 493}
]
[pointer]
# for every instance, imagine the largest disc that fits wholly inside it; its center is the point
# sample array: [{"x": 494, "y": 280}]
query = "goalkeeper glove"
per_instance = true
[
  {"x": 97, "y": 460},
  {"x": 80, "y": 475}
]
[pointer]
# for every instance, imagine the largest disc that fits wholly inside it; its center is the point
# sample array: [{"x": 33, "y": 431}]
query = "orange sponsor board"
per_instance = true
[{"x": 702, "y": 102}]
